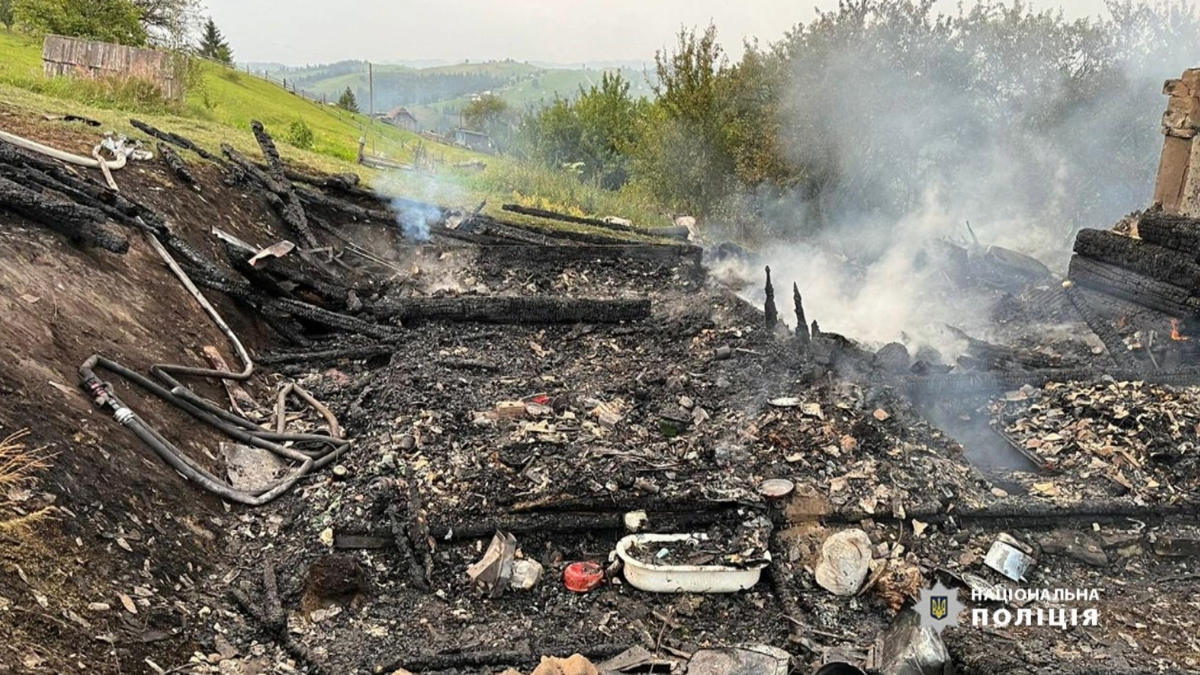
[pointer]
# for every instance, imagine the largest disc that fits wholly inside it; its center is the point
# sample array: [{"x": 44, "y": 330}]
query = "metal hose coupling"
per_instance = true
[{"x": 124, "y": 416}]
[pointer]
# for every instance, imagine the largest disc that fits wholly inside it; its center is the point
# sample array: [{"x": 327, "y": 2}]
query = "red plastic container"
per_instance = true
[{"x": 582, "y": 577}]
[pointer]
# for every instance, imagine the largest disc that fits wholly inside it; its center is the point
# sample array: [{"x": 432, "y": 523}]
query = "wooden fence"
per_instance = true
[{"x": 72, "y": 57}]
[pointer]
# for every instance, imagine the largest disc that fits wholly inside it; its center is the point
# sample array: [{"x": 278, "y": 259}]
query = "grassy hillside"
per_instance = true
[
  {"x": 220, "y": 106},
  {"x": 219, "y": 110},
  {"x": 520, "y": 84}
]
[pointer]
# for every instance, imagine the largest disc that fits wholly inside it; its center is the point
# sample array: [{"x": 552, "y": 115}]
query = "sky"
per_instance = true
[{"x": 299, "y": 32}]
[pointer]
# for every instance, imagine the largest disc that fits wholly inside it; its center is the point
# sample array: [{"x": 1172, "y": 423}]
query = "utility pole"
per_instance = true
[{"x": 371, "y": 86}]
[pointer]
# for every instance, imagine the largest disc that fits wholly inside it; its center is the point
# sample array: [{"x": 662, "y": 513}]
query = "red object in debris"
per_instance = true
[
  {"x": 540, "y": 399},
  {"x": 582, "y": 577}
]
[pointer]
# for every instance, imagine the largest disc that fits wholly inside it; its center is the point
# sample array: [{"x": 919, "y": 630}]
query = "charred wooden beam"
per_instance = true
[
  {"x": 1104, "y": 329},
  {"x": 801, "y": 322},
  {"x": 287, "y": 307},
  {"x": 83, "y": 224},
  {"x": 1180, "y": 233},
  {"x": 279, "y": 194},
  {"x": 666, "y": 253},
  {"x": 346, "y": 183},
  {"x": 663, "y": 232},
  {"x": 313, "y": 197},
  {"x": 772, "y": 314},
  {"x": 515, "y": 310},
  {"x": 1151, "y": 260},
  {"x": 177, "y": 165},
  {"x": 33, "y": 170},
  {"x": 283, "y": 279},
  {"x": 490, "y": 227},
  {"x": 174, "y": 139},
  {"x": 353, "y": 353},
  {"x": 1131, "y": 286}
]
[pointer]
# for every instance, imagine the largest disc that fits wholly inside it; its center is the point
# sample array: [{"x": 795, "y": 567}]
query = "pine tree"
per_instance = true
[
  {"x": 213, "y": 44},
  {"x": 348, "y": 101}
]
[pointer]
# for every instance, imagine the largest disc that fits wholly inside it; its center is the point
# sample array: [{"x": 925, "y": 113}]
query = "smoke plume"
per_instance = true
[{"x": 1027, "y": 127}]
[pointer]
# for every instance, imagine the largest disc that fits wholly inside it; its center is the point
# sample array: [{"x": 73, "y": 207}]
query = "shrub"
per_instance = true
[{"x": 300, "y": 135}]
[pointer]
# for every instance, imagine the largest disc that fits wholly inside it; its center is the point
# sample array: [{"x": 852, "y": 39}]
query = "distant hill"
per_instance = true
[{"x": 436, "y": 93}]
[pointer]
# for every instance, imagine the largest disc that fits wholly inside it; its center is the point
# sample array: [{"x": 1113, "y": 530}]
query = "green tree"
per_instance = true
[
  {"x": 609, "y": 119},
  {"x": 683, "y": 159},
  {"x": 213, "y": 44},
  {"x": 489, "y": 114},
  {"x": 106, "y": 20},
  {"x": 6, "y": 13},
  {"x": 168, "y": 22},
  {"x": 347, "y": 101}
]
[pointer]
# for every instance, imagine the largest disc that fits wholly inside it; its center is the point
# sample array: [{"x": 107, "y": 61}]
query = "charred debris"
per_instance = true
[{"x": 513, "y": 432}]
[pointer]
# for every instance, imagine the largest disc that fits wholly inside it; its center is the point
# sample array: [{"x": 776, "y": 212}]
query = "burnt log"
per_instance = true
[
  {"x": 1136, "y": 288},
  {"x": 801, "y": 323},
  {"x": 1151, "y": 260},
  {"x": 345, "y": 183},
  {"x": 177, "y": 165},
  {"x": 771, "y": 314},
  {"x": 352, "y": 353},
  {"x": 292, "y": 211},
  {"x": 490, "y": 227},
  {"x": 663, "y": 232},
  {"x": 1103, "y": 328},
  {"x": 515, "y": 310},
  {"x": 1180, "y": 233},
  {"x": 279, "y": 195},
  {"x": 32, "y": 170},
  {"x": 519, "y": 254},
  {"x": 83, "y": 224},
  {"x": 173, "y": 139},
  {"x": 313, "y": 197},
  {"x": 277, "y": 308},
  {"x": 282, "y": 279}
]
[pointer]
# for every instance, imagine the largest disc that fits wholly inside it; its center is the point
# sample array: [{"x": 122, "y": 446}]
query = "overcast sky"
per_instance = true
[{"x": 297, "y": 32}]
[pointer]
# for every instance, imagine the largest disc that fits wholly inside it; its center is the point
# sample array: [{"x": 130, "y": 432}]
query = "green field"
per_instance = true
[{"x": 219, "y": 108}]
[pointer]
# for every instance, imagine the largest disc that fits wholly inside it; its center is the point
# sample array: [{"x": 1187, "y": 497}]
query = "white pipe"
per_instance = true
[{"x": 67, "y": 157}]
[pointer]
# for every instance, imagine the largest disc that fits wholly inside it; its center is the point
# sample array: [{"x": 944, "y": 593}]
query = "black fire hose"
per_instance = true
[{"x": 328, "y": 447}]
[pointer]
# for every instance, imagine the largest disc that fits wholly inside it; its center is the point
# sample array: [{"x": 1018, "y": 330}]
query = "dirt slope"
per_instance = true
[{"x": 126, "y": 523}]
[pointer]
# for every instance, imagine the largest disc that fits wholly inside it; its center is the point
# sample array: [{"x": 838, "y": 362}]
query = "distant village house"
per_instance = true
[
  {"x": 473, "y": 140},
  {"x": 400, "y": 117}
]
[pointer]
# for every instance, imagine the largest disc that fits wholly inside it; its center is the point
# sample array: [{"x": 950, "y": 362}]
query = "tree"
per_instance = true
[
  {"x": 348, "y": 101},
  {"x": 213, "y": 44},
  {"x": 6, "y": 13},
  {"x": 105, "y": 20},
  {"x": 489, "y": 114},
  {"x": 169, "y": 22}
]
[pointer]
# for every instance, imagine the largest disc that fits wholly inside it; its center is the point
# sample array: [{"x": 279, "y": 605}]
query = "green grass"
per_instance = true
[{"x": 220, "y": 109}]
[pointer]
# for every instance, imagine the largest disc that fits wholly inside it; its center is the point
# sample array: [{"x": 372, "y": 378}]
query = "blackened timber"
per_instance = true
[
  {"x": 174, "y": 139},
  {"x": 801, "y": 322},
  {"x": 1180, "y": 233},
  {"x": 662, "y": 232},
  {"x": 313, "y": 197},
  {"x": 670, "y": 253},
  {"x": 292, "y": 210},
  {"x": 490, "y": 227},
  {"x": 81, "y": 223},
  {"x": 1152, "y": 260},
  {"x": 553, "y": 233},
  {"x": 176, "y": 164},
  {"x": 515, "y": 310},
  {"x": 772, "y": 314},
  {"x": 1102, "y": 327},
  {"x": 1136, "y": 288}
]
